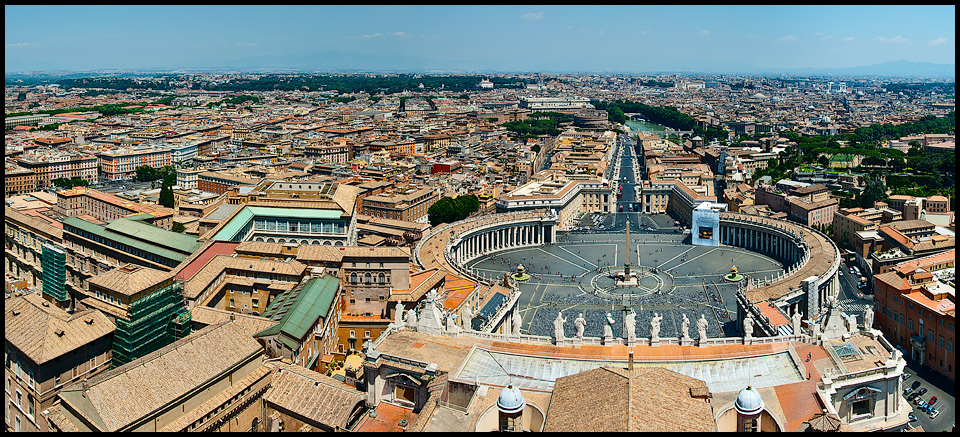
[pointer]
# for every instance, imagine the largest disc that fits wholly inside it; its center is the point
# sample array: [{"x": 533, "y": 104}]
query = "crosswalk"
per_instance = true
[{"x": 852, "y": 306}]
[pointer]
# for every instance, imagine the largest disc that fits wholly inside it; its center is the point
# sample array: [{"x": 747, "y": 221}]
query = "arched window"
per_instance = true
[
  {"x": 353, "y": 278},
  {"x": 382, "y": 278},
  {"x": 366, "y": 278}
]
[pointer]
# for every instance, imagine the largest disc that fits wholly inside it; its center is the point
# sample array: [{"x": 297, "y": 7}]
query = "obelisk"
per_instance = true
[{"x": 626, "y": 261}]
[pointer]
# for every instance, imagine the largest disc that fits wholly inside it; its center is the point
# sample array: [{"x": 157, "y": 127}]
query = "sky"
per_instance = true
[{"x": 480, "y": 38}]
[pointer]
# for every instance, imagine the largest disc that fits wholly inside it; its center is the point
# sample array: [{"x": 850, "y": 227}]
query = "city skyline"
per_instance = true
[{"x": 706, "y": 39}]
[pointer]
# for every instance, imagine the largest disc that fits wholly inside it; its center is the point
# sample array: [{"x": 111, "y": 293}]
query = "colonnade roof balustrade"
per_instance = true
[{"x": 822, "y": 255}]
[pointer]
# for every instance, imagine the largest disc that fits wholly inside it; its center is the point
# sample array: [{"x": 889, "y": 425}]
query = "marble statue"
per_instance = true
[
  {"x": 452, "y": 326},
  {"x": 558, "y": 326},
  {"x": 608, "y": 327},
  {"x": 685, "y": 328},
  {"x": 748, "y": 326},
  {"x": 398, "y": 314},
  {"x": 630, "y": 324},
  {"x": 868, "y": 318},
  {"x": 702, "y": 327},
  {"x": 412, "y": 318},
  {"x": 580, "y": 323},
  {"x": 516, "y": 324},
  {"x": 796, "y": 322},
  {"x": 655, "y": 327}
]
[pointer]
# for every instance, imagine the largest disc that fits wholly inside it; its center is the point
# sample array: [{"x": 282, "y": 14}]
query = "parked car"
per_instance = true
[
  {"x": 933, "y": 400},
  {"x": 922, "y": 405},
  {"x": 911, "y": 397},
  {"x": 907, "y": 376},
  {"x": 915, "y": 385},
  {"x": 912, "y": 417},
  {"x": 934, "y": 413},
  {"x": 922, "y": 391},
  {"x": 909, "y": 392}
]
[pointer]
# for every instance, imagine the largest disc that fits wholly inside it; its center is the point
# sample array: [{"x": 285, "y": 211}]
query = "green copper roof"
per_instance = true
[
  {"x": 298, "y": 309},
  {"x": 155, "y": 234},
  {"x": 144, "y": 246},
  {"x": 229, "y": 231}
]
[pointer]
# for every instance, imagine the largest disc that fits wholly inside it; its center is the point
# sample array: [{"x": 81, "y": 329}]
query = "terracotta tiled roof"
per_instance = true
[
  {"x": 43, "y": 332},
  {"x": 611, "y": 399},
  {"x": 313, "y": 395},
  {"x": 129, "y": 279},
  {"x": 121, "y": 396}
]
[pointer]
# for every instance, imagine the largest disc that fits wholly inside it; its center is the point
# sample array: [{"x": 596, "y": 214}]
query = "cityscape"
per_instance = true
[{"x": 468, "y": 219}]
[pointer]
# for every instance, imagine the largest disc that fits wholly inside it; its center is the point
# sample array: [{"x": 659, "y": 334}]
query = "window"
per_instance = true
[
  {"x": 367, "y": 334},
  {"x": 30, "y": 406},
  {"x": 231, "y": 304},
  {"x": 861, "y": 407},
  {"x": 940, "y": 341},
  {"x": 256, "y": 303}
]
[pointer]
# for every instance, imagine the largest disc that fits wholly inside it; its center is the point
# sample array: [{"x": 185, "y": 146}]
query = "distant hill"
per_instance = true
[{"x": 892, "y": 68}]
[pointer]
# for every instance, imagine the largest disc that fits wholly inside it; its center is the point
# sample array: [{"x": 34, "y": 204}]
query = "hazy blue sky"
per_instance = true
[{"x": 539, "y": 37}]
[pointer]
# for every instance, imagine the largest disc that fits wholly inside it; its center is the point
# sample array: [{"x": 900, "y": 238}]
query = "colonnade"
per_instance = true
[
  {"x": 485, "y": 240},
  {"x": 762, "y": 241}
]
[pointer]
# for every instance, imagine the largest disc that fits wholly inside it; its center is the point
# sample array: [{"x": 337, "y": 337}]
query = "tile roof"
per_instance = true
[
  {"x": 610, "y": 399},
  {"x": 129, "y": 279},
  {"x": 314, "y": 396},
  {"x": 42, "y": 331},
  {"x": 136, "y": 390}
]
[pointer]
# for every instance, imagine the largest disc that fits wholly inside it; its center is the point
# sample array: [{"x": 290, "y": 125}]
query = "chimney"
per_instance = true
[{"x": 630, "y": 363}]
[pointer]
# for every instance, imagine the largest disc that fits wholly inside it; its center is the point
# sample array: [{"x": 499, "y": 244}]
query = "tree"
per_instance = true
[
  {"x": 823, "y": 160},
  {"x": 873, "y": 192},
  {"x": 166, "y": 196},
  {"x": 178, "y": 227}
]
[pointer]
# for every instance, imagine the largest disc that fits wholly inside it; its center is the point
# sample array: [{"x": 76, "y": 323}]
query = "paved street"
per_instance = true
[
  {"x": 680, "y": 278},
  {"x": 936, "y": 385}
]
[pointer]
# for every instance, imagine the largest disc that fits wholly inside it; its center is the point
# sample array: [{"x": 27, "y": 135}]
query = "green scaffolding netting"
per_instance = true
[{"x": 155, "y": 321}]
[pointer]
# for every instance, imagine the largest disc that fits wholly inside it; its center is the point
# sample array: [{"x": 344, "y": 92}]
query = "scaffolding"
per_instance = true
[
  {"x": 54, "y": 264},
  {"x": 155, "y": 321}
]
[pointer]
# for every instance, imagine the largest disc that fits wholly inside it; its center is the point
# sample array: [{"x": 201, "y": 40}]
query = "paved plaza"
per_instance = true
[{"x": 575, "y": 275}]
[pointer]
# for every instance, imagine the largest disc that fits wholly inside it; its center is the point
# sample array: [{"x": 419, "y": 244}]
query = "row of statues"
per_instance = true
[{"x": 630, "y": 323}]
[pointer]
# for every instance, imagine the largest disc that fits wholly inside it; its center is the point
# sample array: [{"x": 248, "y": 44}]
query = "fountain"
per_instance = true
[{"x": 733, "y": 276}]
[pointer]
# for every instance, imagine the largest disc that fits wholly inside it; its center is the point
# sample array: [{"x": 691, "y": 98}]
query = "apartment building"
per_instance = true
[
  {"x": 105, "y": 207},
  {"x": 915, "y": 305},
  {"x": 809, "y": 205},
  {"x": 50, "y": 167},
  {"x": 122, "y": 163},
  {"x": 25, "y": 236},
  {"x": 47, "y": 348},
  {"x": 335, "y": 151},
  {"x": 18, "y": 180},
  {"x": 848, "y": 221},
  {"x": 219, "y": 182},
  {"x": 409, "y": 203}
]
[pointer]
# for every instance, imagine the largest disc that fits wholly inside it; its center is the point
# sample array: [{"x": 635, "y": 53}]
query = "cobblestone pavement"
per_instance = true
[{"x": 561, "y": 275}]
